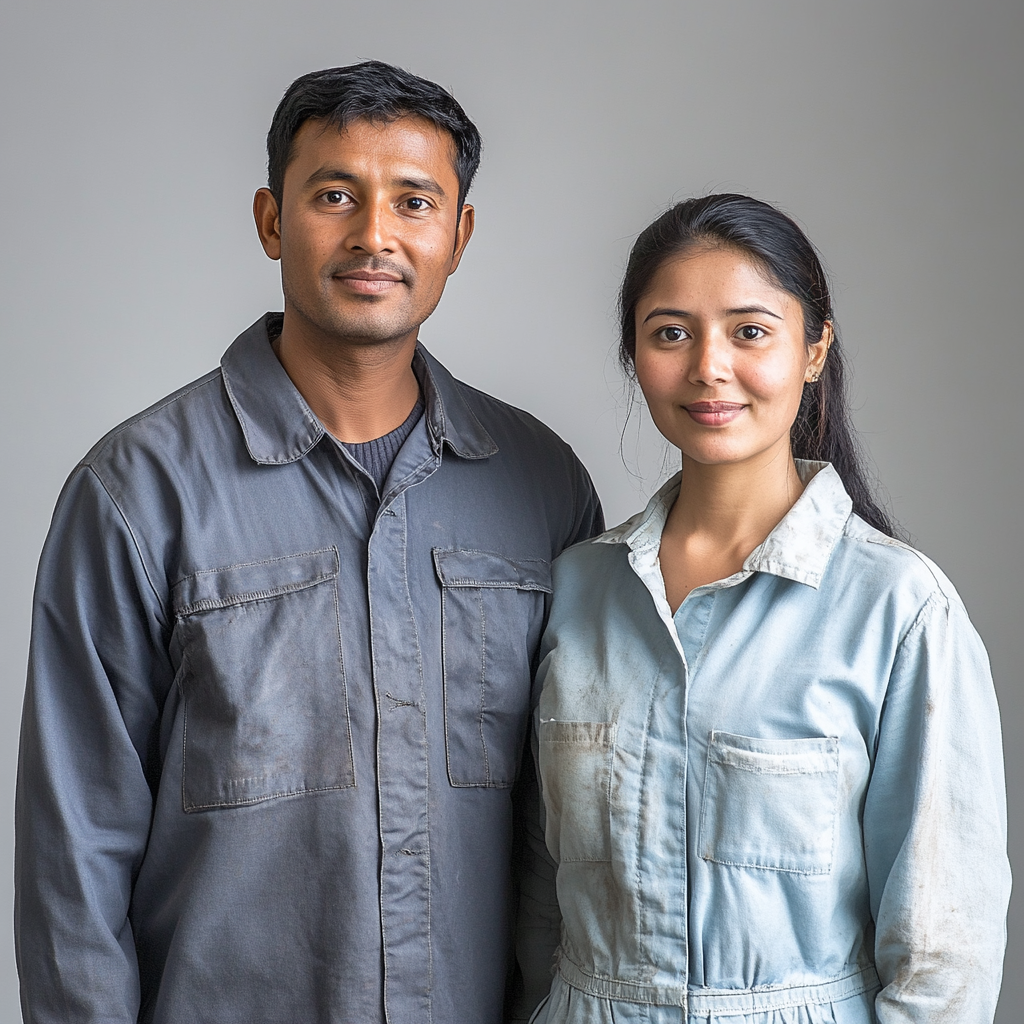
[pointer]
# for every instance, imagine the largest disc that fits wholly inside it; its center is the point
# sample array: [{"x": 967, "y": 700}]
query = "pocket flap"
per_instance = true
[
  {"x": 805, "y": 756},
  {"x": 253, "y": 581},
  {"x": 460, "y": 568}
]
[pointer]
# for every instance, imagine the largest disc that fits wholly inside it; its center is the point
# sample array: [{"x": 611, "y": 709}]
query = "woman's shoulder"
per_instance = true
[
  {"x": 878, "y": 560},
  {"x": 592, "y": 555},
  {"x": 597, "y": 574},
  {"x": 605, "y": 548},
  {"x": 640, "y": 533}
]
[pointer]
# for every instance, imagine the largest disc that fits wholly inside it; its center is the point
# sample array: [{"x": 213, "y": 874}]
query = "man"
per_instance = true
[{"x": 280, "y": 675}]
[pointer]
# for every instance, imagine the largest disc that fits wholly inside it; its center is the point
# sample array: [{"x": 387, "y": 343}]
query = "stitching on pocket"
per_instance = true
[
  {"x": 194, "y": 584},
  {"x": 595, "y": 742},
  {"x": 489, "y": 624},
  {"x": 230, "y": 695},
  {"x": 823, "y": 749},
  {"x": 527, "y": 573},
  {"x": 483, "y": 684}
]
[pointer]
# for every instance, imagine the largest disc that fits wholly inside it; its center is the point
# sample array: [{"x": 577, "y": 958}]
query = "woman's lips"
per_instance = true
[{"x": 714, "y": 414}]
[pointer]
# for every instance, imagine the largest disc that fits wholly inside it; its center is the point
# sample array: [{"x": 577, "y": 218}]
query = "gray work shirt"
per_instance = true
[{"x": 272, "y": 727}]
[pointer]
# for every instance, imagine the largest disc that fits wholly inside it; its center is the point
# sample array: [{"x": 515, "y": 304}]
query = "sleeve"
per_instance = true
[
  {"x": 538, "y": 919},
  {"x": 589, "y": 516},
  {"x": 935, "y": 828},
  {"x": 98, "y": 671}
]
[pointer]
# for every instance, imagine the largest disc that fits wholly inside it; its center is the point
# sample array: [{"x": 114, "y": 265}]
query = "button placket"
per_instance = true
[{"x": 402, "y": 772}]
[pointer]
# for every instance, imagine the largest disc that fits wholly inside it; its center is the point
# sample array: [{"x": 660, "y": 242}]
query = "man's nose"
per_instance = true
[{"x": 370, "y": 229}]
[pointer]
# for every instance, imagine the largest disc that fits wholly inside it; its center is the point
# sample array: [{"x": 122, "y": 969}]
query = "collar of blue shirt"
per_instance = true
[
  {"x": 279, "y": 427},
  {"x": 798, "y": 548}
]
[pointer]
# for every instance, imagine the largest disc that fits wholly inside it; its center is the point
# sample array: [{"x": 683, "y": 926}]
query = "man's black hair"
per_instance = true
[{"x": 371, "y": 91}]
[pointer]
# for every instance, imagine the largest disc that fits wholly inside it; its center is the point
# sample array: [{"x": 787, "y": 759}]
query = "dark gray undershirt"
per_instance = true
[{"x": 377, "y": 456}]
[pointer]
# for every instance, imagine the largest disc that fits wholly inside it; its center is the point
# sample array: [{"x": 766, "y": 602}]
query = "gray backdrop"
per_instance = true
[{"x": 133, "y": 141}]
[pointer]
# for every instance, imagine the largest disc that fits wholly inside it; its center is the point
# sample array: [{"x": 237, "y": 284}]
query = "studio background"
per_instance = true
[{"x": 891, "y": 129}]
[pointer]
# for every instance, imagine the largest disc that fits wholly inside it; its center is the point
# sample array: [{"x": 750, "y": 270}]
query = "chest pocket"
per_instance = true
[
  {"x": 575, "y": 769},
  {"x": 266, "y": 712},
  {"x": 770, "y": 803},
  {"x": 492, "y": 611}
]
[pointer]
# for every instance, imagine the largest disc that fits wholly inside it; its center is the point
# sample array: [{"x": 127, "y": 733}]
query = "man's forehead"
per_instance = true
[{"x": 407, "y": 138}]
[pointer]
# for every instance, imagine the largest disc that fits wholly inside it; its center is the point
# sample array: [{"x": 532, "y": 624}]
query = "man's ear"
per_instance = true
[
  {"x": 467, "y": 221},
  {"x": 268, "y": 222}
]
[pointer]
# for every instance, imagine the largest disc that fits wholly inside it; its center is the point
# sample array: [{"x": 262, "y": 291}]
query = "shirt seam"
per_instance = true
[
  {"x": 920, "y": 620},
  {"x": 884, "y": 541},
  {"x": 135, "y": 543},
  {"x": 101, "y": 446}
]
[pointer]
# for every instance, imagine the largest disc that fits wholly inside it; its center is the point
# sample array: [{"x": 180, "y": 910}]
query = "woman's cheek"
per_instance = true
[{"x": 778, "y": 381}]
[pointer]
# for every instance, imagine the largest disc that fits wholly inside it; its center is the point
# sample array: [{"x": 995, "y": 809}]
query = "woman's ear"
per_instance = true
[{"x": 818, "y": 353}]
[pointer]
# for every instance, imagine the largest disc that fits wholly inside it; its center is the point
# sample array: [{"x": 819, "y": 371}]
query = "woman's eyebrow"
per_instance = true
[
  {"x": 738, "y": 311},
  {"x": 741, "y": 310},
  {"x": 664, "y": 311}
]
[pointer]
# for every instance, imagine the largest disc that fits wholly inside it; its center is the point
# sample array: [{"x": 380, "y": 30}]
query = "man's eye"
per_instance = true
[
  {"x": 416, "y": 203},
  {"x": 671, "y": 334},
  {"x": 335, "y": 198},
  {"x": 751, "y": 333}
]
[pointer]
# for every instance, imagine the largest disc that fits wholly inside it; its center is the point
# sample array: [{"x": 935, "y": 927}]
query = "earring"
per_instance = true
[{"x": 814, "y": 378}]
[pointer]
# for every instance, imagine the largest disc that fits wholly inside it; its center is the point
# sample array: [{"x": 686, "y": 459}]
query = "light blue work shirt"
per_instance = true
[
  {"x": 275, "y": 717},
  {"x": 783, "y": 804}
]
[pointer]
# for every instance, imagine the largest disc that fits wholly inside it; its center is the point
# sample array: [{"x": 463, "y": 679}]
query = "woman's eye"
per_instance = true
[
  {"x": 751, "y": 333},
  {"x": 671, "y": 334}
]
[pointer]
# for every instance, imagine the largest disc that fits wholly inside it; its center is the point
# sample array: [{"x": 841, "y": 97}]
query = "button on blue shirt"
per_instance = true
[
  {"x": 274, "y": 720},
  {"x": 783, "y": 804}
]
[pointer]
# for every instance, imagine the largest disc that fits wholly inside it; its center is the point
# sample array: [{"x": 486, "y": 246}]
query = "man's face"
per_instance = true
[{"x": 367, "y": 232}]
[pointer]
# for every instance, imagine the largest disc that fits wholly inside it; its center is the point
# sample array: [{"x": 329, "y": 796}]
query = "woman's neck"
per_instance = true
[{"x": 721, "y": 514}]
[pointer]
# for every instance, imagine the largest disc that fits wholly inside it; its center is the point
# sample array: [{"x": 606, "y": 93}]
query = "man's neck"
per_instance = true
[{"x": 359, "y": 391}]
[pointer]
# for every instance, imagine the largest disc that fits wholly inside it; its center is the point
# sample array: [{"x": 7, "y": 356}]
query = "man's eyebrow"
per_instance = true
[
  {"x": 325, "y": 175},
  {"x": 422, "y": 185},
  {"x": 737, "y": 311}
]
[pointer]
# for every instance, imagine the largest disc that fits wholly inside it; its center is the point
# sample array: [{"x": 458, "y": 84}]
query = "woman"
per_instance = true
[{"x": 769, "y": 743}]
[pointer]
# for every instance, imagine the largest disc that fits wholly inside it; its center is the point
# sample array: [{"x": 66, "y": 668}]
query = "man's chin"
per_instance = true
[{"x": 361, "y": 331}]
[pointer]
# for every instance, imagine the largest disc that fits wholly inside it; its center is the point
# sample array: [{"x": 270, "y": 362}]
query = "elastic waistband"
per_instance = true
[{"x": 721, "y": 1002}]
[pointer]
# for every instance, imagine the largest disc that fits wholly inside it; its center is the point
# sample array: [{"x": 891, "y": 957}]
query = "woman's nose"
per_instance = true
[{"x": 711, "y": 364}]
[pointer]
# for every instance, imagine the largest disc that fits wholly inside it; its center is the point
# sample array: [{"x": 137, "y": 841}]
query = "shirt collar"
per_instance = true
[
  {"x": 449, "y": 418},
  {"x": 798, "y": 548},
  {"x": 279, "y": 427}
]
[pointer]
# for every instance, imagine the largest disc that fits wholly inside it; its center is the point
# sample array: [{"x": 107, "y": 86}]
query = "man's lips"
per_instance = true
[
  {"x": 714, "y": 414},
  {"x": 369, "y": 282}
]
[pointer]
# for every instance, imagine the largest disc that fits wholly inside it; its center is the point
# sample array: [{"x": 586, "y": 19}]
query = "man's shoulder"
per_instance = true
[
  {"x": 160, "y": 428},
  {"x": 504, "y": 415},
  {"x": 523, "y": 457},
  {"x": 517, "y": 434}
]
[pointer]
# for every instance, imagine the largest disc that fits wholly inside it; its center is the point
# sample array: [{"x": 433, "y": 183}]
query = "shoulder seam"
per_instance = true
[
  {"x": 486, "y": 396},
  {"x": 883, "y": 541},
  {"x": 111, "y": 435},
  {"x": 933, "y": 599},
  {"x": 135, "y": 542}
]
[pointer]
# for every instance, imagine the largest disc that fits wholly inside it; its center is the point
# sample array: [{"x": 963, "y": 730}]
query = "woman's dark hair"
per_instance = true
[
  {"x": 822, "y": 430},
  {"x": 371, "y": 91}
]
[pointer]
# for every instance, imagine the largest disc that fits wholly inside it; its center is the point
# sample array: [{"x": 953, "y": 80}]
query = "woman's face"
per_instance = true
[{"x": 721, "y": 357}]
